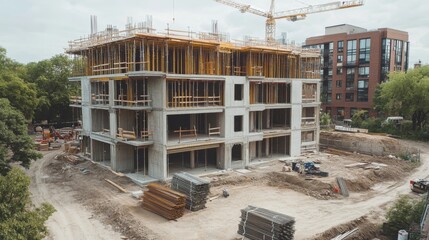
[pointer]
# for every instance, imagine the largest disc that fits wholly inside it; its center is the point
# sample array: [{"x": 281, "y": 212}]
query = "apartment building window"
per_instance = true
[
  {"x": 339, "y": 58},
  {"x": 328, "y": 97},
  {"x": 331, "y": 47},
  {"x": 350, "y": 79},
  {"x": 238, "y": 92},
  {"x": 329, "y": 87},
  {"x": 351, "y": 52},
  {"x": 362, "y": 91},
  {"x": 338, "y": 96},
  {"x": 385, "y": 58},
  {"x": 339, "y": 83},
  {"x": 364, "y": 50},
  {"x": 330, "y": 72},
  {"x": 339, "y": 70},
  {"x": 364, "y": 72},
  {"x": 340, "y": 46},
  {"x": 238, "y": 123},
  {"x": 350, "y": 97},
  {"x": 398, "y": 51}
]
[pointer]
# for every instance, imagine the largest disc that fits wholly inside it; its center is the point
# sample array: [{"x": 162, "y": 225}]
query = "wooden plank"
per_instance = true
[{"x": 116, "y": 185}]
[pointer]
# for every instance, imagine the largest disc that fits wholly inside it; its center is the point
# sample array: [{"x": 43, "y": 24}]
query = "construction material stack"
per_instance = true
[
  {"x": 259, "y": 223},
  {"x": 196, "y": 190},
  {"x": 164, "y": 201}
]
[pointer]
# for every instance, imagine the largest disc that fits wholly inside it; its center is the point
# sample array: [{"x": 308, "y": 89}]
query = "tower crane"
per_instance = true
[{"x": 291, "y": 15}]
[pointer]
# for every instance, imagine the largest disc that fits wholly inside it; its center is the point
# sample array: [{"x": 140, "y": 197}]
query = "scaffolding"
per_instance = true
[
  {"x": 190, "y": 93},
  {"x": 139, "y": 48}
]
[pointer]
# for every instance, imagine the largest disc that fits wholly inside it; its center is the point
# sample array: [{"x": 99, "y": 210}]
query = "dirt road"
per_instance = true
[
  {"x": 71, "y": 220},
  {"x": 218, "y": 221}
]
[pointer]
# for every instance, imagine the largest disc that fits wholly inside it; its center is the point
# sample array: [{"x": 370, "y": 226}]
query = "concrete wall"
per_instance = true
[
  {"x": 296, "y": 101},
  {"x": 157, "y": 122},
  {"x": 86, "y": 111},
  {"x": 124, "y": 158}
]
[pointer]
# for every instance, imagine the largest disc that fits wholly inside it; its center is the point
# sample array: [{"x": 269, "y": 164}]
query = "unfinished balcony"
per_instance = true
[
  {"x": 100, "y": 125},
  {"x": 308, "y": 141},
  {"x": 132, "y": 94},
  {"x": 185, "y": 93},
  {"x": 75, "y": 99},
  {"x": 270, "y": 122},
  {"x": 100, "y": 94},
  {"x": 268, "y": 148},
  {"x": 269, "y": 94},
  {"x": 308, "y": 119},
  {"x": 194, "y": 129},
  {"x": 133, "y": 128},
  {"x": 309, "y": 93}
]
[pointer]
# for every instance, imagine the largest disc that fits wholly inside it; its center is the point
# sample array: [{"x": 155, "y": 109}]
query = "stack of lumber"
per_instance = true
[
  {"x": 43, "y": 147},
  {"x": 164, "y": 201},
  {"x": 196, "y": 190},
  {"x": 259, "y": 223}
]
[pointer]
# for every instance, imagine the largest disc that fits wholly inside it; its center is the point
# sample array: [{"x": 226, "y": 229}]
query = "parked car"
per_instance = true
[{"x": 419, "y": 186}]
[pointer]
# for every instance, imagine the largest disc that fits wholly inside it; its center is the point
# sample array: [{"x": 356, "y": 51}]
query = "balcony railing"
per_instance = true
[
  {"x": 76, "y": 100},
  {"x": 140, "y": 101}
]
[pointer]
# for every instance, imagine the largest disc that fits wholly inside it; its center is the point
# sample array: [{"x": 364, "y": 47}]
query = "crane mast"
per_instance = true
[{"x": 291, "y": 15}]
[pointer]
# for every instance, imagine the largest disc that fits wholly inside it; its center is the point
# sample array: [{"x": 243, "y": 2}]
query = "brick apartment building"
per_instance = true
[{"x": 355, "y": 60}]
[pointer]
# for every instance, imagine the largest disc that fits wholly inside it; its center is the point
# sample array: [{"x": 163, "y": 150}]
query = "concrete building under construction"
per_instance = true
[{"x": 157, "y": 103}]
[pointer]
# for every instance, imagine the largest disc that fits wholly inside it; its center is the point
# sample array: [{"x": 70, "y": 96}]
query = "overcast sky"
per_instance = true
[{"x": 33, "y": 30}]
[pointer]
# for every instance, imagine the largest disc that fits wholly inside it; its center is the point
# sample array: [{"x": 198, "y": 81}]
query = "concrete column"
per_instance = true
[
  {"x": 113, "y": 157},
  {"x": 296, "y": 100},
  {"x": 227, "y": 158},
  {"x": 192, "y": 159},
  {"x": 113, "y": 123},
  {"x": 112, "y": 92},
  {"x": 220, "y": 153},
  {"x": 245, "y": 153},
  {"x": 267, "y": 147}
]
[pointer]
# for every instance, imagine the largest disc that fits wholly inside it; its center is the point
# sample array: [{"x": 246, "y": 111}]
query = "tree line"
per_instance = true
[{"x": 40, "y": 90}]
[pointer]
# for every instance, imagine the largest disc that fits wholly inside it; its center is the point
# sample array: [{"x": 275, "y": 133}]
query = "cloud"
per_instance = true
[{"x": 36, "y": 30}]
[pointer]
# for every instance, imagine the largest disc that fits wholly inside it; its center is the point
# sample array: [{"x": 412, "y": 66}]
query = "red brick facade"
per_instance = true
[{"x": 336, "y": 87}]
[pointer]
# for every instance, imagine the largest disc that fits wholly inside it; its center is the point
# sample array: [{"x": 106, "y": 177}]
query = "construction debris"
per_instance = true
[
  {"x": 373, "y": 165},
  {"x": 343, "y": 186},
  {"x": 345, "y": 235},
  {"x": 116, "y": 185},
  {"x": 164, "y": 201},
  {"x": 259, "y": 223},
  {"x": 196, "y": 190}
]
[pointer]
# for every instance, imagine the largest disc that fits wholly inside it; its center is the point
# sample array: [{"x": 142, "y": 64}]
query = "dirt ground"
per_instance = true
[{"x": 90, "y": 208}]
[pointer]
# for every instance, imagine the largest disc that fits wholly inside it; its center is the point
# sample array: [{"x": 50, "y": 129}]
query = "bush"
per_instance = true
[
  {"x": 325, "y": 119},
  {"x": 372, "y": 124},
  {"x": 404, "y": 214}
]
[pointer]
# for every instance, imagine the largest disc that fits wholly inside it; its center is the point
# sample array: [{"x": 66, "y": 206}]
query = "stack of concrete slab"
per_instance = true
[
  {"x": 164, "y": 201},
  {"x": 195, "y": 188},
  {"x": 259, "y": 223}
]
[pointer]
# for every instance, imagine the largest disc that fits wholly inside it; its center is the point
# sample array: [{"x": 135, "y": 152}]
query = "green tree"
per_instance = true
[
  {"x": 405, "y": 94},
  {"x": 18, "y": 219},
  {"x": 325, "y": 119},
  {"x": 15, "y": 144},
  {"x": 53, "y": 87},
  {"x": 404, "y": 214},
  {"x": 358, "y": 118},
  {"x": 22, "y": 95}
]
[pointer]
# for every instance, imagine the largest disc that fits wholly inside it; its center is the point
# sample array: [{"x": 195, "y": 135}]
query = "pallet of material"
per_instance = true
[
  {"x": 164, "y": 201},
  {"x": 43, "y": 147},
  {"x": 259, "y": 223},
  {"x": 195, "y": 188}
]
